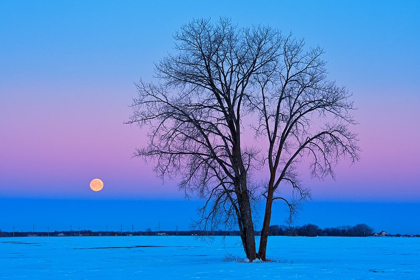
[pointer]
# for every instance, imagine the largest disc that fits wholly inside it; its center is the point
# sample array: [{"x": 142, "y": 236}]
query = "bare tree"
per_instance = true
[
  {"x": 301, "y": 114},
  {"x": 196, "y": 113}
]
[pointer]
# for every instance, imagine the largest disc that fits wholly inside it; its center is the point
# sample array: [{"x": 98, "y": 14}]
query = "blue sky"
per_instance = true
[{"x": 66, "y": 79}]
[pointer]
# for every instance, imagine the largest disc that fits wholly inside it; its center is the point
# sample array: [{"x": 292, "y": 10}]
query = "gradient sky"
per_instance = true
[{"x": 67, "y": 70}]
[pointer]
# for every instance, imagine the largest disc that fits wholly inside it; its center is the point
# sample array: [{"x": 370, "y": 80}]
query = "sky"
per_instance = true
[{"x": 67, "y": 74}]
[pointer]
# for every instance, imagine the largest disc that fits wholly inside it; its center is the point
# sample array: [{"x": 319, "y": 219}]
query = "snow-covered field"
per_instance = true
[{"x": 170, "y": 257}]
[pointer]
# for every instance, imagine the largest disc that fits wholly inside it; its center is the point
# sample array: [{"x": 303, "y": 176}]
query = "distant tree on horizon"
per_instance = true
[
  {"x": 220, "y": 81},
  {"x": 362, "y": 230}
]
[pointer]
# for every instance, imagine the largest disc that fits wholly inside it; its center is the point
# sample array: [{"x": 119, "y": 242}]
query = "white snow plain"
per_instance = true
[{"x": 186, "y": 257}]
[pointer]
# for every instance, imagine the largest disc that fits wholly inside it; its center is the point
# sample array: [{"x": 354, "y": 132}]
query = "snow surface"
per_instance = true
[{"x": 172, "y": 257}]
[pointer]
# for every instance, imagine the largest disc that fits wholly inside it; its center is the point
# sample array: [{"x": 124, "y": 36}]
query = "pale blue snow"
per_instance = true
[{"x": 189, "y": 258}]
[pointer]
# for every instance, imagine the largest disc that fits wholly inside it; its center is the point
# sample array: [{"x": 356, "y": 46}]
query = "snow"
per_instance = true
[{"x": 185, "y": 257}]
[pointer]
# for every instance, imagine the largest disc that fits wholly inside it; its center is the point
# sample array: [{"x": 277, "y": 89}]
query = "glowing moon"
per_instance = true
[{"x": 96, "y": 185}]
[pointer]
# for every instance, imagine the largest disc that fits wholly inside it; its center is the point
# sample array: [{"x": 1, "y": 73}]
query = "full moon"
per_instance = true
[{"x": 96, "y": 185}]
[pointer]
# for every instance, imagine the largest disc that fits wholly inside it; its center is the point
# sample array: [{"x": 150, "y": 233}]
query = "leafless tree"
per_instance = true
[
  {"x": 219, "y": 74},
  {"x": 301, "y": 114}
]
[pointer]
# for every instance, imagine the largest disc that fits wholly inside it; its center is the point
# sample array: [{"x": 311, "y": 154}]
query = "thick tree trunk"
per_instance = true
[
  {"x": 247, "y": 229},
  {"x": 266, "y": 226},
  {"x": 246, "y": 224}
]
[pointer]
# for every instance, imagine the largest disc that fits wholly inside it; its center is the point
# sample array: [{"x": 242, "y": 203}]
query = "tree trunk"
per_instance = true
[
  {"x": 247, "y": 229},
  {"x": 245, "y": 219},
  {"x": 266, "y": 226}
]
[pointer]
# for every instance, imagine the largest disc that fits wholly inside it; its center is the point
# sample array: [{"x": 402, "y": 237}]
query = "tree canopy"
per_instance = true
[{"x": 220, "y": 80}]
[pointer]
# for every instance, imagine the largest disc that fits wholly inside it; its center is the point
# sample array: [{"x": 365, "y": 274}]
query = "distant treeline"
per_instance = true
[
  {"x": 314, "y": 230},
  {"x": 119, "y": 233},
  {"x": 275, "y": 230}
]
